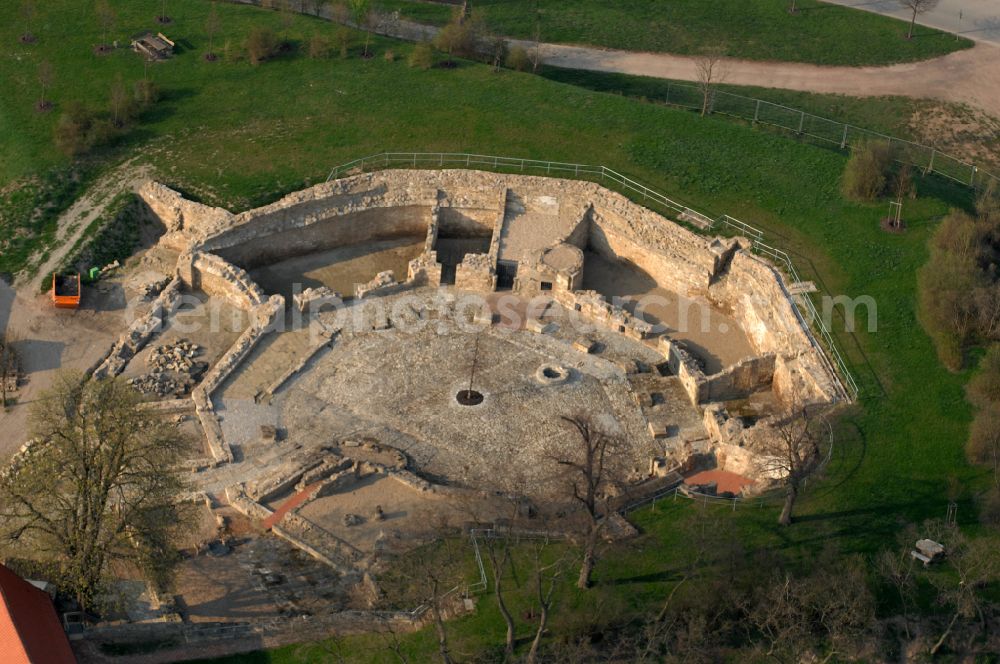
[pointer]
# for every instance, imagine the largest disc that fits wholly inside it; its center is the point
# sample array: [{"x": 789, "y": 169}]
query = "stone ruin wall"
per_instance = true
[
  {"x": 677, "y": 263},
  {"x": 403, "y": 203},
  {"x": 417, "y": 203},
  {"x": 219, "y": 278},
  {"x": 183, "y": 220}
]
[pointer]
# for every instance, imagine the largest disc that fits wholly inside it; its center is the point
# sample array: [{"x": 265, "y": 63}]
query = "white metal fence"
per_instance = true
[
  {"x": 639, "y": 193},
  {"x": 831, "y": 132}
]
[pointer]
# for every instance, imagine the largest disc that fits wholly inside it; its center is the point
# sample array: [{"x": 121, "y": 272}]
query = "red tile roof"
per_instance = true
[{"x": 30, "y": 632}]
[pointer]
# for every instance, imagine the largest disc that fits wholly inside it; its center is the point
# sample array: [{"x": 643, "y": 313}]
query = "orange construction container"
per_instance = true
[{"x": 66, "y": 290}]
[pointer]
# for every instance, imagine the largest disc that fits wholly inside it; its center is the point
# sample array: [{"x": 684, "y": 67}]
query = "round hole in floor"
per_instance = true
[{"x": 469, "y": 397}]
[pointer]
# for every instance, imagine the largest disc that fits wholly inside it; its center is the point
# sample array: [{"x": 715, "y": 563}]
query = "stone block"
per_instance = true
[{"x": 539, "y": 326}]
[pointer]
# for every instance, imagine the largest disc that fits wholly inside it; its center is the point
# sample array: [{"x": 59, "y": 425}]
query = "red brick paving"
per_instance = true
[
  {"x": 724, "y": 480},
  {"x": 287, "y": 506}
]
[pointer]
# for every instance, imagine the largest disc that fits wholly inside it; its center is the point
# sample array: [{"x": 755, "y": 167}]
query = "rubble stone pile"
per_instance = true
[{"x": 174, "y": 370}]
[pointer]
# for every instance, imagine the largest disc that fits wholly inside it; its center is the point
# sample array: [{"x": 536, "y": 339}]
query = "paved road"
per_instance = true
[{"x": 975, "y": 19}]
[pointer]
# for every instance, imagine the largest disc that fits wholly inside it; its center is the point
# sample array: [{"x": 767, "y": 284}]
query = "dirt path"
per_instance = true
[
  {"x": 50, "y": 339},
  {"x": 75, "y": 220},
  {"x": 971, "y": 76}
]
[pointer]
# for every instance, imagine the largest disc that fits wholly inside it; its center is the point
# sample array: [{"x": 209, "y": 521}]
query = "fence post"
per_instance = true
[
  {"x": 930, "y": 164},
  {"x": 802, "y": 120},
  {"x": 972, "y": 180},
  {"x": 667, "y": 99},
  {"x": 756, "y": 112},
  {"x": 843, "y": 141}
]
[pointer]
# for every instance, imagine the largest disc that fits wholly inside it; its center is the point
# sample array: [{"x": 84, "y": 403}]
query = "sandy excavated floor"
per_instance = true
[
  {"x": 399, "y": 386},
  {"x": 339, "y": 269},
  {"x": 710, "y": 335},
  {"x": 261, "y": 577},
  {"x": 410, "y": 516}
]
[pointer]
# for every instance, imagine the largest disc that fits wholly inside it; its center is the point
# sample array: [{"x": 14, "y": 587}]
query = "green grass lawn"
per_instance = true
[
  {"x": 233, "y": 134},
  {"x": 819, "y": 33}
]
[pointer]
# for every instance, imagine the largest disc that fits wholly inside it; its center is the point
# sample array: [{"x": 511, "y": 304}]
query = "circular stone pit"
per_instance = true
[
  {"x": 552, "y": 374},
  {"x": 469, "y": 398}
]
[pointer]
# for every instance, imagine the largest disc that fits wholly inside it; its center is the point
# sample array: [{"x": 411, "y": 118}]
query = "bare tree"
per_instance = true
[
  {"x": 29, "y": 10},
  {"x": 895, "y": 566},
  {"x": 46, "y": 76},
  {"x": 361, "y": 15},
  {"x": 9, "y": 367},
  {"x": 974, "y": 564},
  {"x": 790, "y": 450},
  {"x": 498, "y": 50},
  {"x": 105, "y": 19},
  {"x": 163, "y": 18},
  {"x": 459, "y": 36},
  {"x": 319, "y": 6},
  {"x": 536, "y": 38},
  {"x": 591, "y": 471},
  {"x": 387, "y": 632},
  {"x": 984, "y": 440},
  {"x": 709, "y": 71},
  {"x": 119, "y": 102},
  {"x": 917, "y": 7},
  {"x": 98, "y": 485},
  {"x": 212, "y": 24},
  {"x": 432, "y": 580},
  {"x": 546, "y": 579}
]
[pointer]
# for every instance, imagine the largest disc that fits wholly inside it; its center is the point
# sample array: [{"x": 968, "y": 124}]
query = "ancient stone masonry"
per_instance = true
[
  {"x": 262, "y": 321},
  {"x": 353, "y": 322},
  {"x": 216, "y": 276},
  {"x": 140, "y": 332},
  {"x": 183, "y": 219}
]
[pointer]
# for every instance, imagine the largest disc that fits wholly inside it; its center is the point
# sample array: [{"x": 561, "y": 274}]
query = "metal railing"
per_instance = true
[
  {"x": 831, "y": 132},
  {"x": 641, "y": 194}
]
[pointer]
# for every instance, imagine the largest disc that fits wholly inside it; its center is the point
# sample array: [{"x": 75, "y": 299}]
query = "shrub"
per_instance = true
[
  {"x": 74, "y": 132},
  {"x": 868, "y": 172},
  {"x": 261, "y": 44},
  {"x": 984, "y": 388},
  {"x": 983, "y": 446},
  {"x": 988, "y": 203},
  {"x": 518, "y": 59},
  {"x": 422, "y": 56},
  {"x": 456, "y": 38},
  {"x": 320, "y": 47},
  {"x": 989, "y": 507},
  {"x": 960, "y": 286},
  {"x": 343, "y": 41},
  {"x": 147, "y": 93}
]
